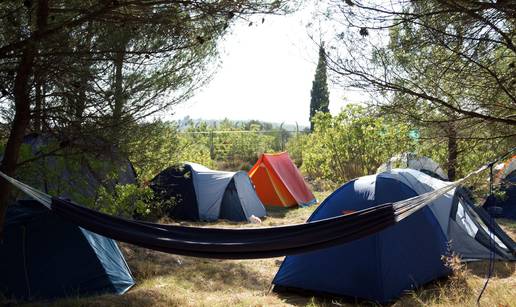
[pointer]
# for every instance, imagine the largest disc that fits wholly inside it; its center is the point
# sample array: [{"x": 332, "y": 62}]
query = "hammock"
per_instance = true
[{"x": 248, "y": 243}]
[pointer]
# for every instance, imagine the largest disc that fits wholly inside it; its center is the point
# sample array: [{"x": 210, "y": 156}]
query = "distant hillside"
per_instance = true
[{"x": 187, "y": 121}]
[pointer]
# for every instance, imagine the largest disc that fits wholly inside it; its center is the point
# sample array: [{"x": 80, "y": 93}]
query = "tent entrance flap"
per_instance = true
[
  {"x": 270, "y": 193},
  {"x": 230, "y": 207}
]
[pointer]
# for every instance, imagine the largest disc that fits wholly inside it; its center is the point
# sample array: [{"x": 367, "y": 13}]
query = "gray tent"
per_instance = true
[
  {"x": 412, "y": 161},
  {"x": 200, "y": 193}
]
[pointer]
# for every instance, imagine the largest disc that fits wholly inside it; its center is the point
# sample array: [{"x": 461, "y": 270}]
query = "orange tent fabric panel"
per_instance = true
[
  {"x": 278, "y": 182},
  {"x": 269, "y": 190}
]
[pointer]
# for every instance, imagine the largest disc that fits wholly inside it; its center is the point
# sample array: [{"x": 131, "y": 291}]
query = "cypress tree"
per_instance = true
[{"x": 320, "y": 97}]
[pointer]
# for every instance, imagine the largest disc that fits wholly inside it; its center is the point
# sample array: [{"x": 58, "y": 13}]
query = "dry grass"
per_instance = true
[{"x": 170, "y": 280}]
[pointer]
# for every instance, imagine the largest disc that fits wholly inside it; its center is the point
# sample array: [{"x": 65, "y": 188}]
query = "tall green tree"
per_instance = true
[
  {"x": 320, "y": 97},
  {"x": 96, "y": 66},
  {"x": 446, "y": 67}
]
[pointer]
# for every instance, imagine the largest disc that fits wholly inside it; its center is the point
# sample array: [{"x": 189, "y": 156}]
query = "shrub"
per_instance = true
[{"x": 352, "y": 144}]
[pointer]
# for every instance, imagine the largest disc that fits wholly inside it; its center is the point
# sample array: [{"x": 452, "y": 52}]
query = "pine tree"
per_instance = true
[{"x": 320, "y": 97}]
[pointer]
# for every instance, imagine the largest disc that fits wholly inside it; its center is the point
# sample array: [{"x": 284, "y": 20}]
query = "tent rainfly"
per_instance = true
[
  {"x": 278, "y": 182},
  {"x": 411, "y": 160},
  {"x": 199, "y": 193},
  {"x": 504, "y": 206},
  {"x": 382, "y": 266},
  {"x": 46, "y": 257}
]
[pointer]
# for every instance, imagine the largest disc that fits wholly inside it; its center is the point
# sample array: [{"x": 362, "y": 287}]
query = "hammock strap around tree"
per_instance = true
[{"x": 246, "y": 243}]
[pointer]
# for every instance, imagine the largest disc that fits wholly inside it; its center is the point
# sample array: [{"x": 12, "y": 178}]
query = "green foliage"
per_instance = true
[
  {"x": 155, "y": 146},
  {"x": 352, "y": 144},
  {"x": 320, "y": 97},
  {"x": 295, "y": 147},
  {"x": 126, "y": 200},
  {"x": 235, "y": 145}
]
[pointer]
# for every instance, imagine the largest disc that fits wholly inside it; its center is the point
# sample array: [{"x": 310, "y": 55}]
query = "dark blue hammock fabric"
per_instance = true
[{"x": 231, "y": 243}]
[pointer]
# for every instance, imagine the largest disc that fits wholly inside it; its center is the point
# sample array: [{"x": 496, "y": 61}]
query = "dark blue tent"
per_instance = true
[
  {"x": 45, "y": 257},
  {"x": 384, "y": 265}
]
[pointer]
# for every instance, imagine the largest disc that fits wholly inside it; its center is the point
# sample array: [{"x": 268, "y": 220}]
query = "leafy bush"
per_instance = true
[
  {"x": 126, "y": 200},
  {"x": 295, "y": 147},
  {"x": 158, "y": 145},
  {"x": 352, "y": 144}
]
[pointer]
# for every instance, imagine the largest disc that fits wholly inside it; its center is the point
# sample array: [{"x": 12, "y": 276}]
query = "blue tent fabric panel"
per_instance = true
[
  {"x": 210, "y": 187},
  {"x": 230, "y": 207},
  {"x": 114, "y": 267},
  {"x": 56, "y": 252},
  {"x": 248, "y": 199},
  {"x": 175, "y": 184},
  {"x": 45, "y": 257},
  {"x": 379, "y": 267},
  {"x": 332, "y": 271},
  {"x": 411, "y": 250},
  {"x": 339, "y": 270},
  {"x": 13, "y": 265}
]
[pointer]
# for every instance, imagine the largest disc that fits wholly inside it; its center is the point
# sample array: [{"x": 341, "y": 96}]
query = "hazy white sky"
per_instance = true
[{"x": 266, "y": 74}]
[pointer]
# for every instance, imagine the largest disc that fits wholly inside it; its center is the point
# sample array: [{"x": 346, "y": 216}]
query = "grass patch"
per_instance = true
[{"x": 171, "y": 280}]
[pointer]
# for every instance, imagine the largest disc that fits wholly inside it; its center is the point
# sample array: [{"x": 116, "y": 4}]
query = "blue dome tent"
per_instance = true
[
  {"x": 45, "y": 257},
  {"x": 409, "y": 254}
]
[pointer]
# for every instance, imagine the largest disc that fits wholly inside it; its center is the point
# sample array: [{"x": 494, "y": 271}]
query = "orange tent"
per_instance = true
[{"x": 278, "y": 182}]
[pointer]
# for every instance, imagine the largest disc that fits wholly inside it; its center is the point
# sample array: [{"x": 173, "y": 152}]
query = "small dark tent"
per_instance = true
[
  {"x": 505, "y": 181},
  {"x": 199, "y": 193},
  {"x": 382, "y": 266},
  {"x": 43, "y": 257}
]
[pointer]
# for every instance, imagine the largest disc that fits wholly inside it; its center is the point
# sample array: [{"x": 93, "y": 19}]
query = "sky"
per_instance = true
[{"x": 266, "y": 73}]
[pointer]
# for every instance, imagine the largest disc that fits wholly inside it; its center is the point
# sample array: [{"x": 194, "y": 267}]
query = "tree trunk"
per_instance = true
[
  {"x": 21, "y": 119},
  {"x": 38, "y": 106},
  {"x": 119, "y": 99},
  {"x": 452, "y": 151},
  {"x": 81, "y": 100},
  {"x": 20, "y": 124}
]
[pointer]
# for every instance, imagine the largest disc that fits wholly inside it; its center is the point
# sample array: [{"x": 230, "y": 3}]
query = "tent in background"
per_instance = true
[
  {"x": 278, "y": 182},
  {"x": 411, "y": 160},
  {"x": 199, "y": 193},
  {"x": 505, "y": 180},
  {"x": 407, "y": 255},
  {"x": 74, "y": 170},
  {"x": 45, "y": 257}
]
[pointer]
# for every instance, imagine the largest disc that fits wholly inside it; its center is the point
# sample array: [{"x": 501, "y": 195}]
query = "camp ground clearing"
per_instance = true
[
  {"x": 340, "y": 201},
  {"x": 168, "y": 280},
  {"x": 257, "y": 153}
]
